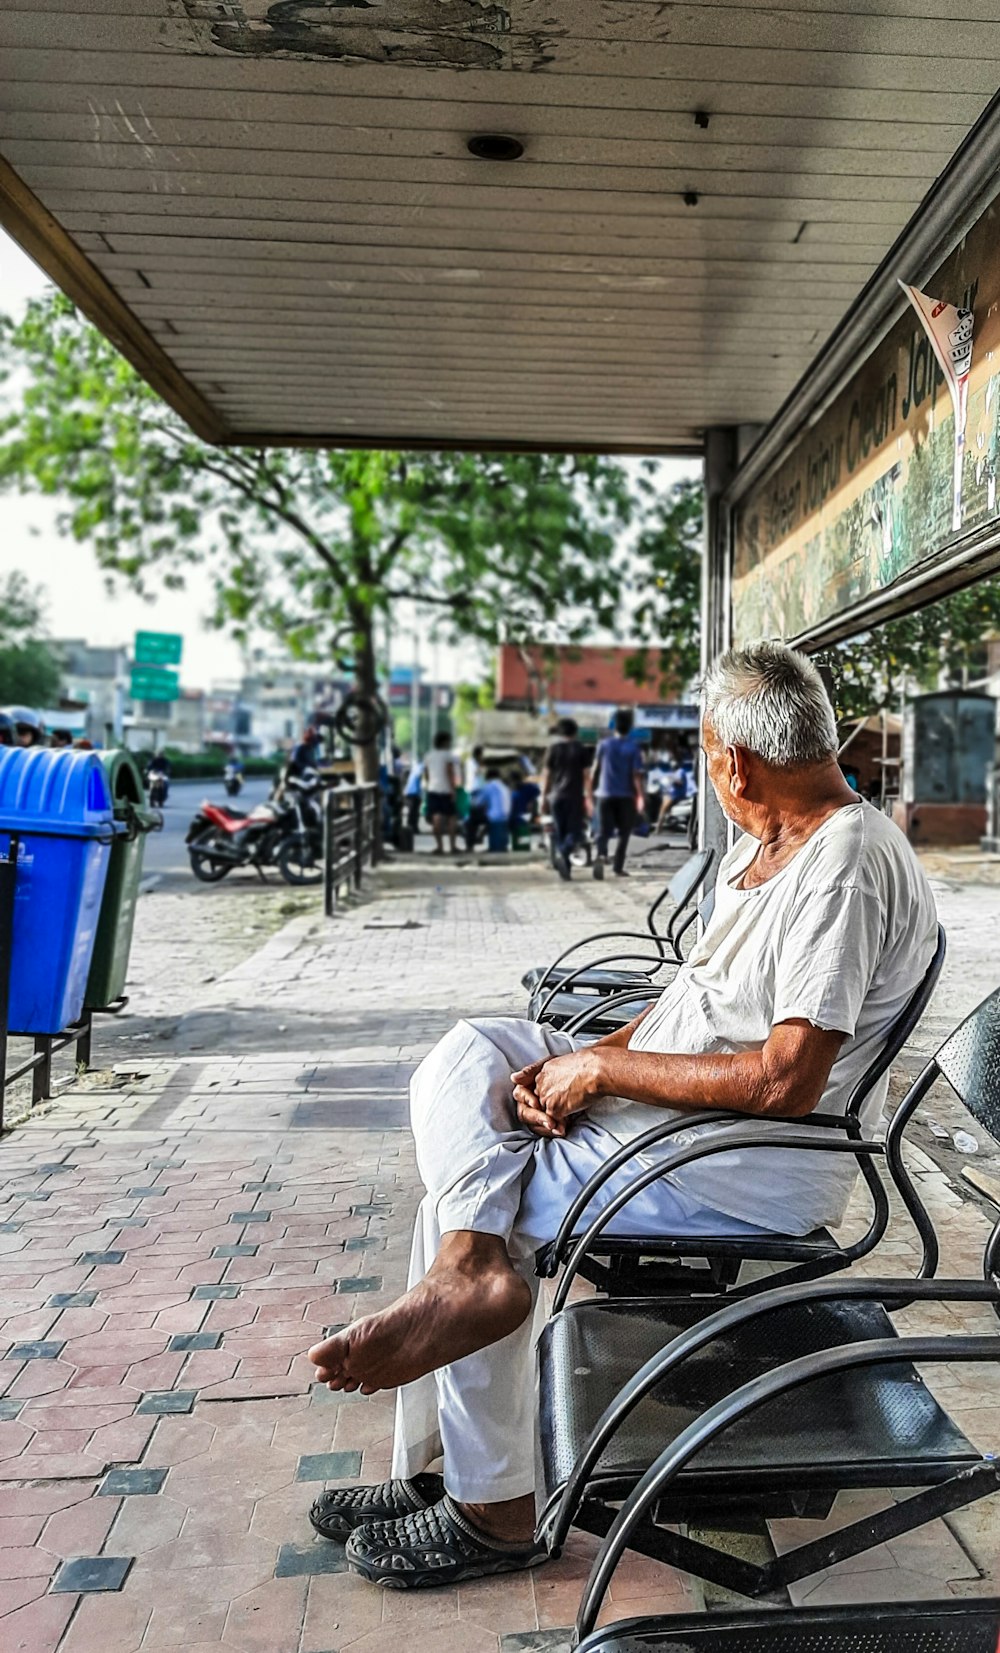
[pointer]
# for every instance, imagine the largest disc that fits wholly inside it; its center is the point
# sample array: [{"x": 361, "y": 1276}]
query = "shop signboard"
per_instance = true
[{"x": 885, "y": 487}]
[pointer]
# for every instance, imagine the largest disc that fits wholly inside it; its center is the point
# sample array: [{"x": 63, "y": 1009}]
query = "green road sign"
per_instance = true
[
  {"x": 158, "y": 648},
  {"x": 154, "y": 683}
]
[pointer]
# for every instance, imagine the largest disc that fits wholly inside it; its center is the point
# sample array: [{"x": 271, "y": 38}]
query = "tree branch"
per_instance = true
[
  {"x": 391, "y": 552},
  {"x": 458, "y": 601}
]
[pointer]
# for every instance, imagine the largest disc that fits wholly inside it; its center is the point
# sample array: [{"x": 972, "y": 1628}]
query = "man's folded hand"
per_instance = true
[
  {"x": 533, "y": 1116},
  {"x": 568, "y": 1084}
]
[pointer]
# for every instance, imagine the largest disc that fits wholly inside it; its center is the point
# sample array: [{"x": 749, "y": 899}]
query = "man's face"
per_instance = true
[
  {"x": 25, "y": 735},
  {"x": 722, "y": 772}
]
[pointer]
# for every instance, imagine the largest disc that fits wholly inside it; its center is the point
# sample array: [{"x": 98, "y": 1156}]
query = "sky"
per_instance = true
[{"x": 78, "y": 603}]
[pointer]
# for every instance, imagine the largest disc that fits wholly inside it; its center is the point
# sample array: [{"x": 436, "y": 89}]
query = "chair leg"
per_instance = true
[
  {"x": 688, "y": 1555},
  {"x": 965, "y": 1488},
  {"x": 770, "y": 1582}
]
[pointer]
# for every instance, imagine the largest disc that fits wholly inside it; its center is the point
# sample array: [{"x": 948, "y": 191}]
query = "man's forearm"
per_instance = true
[{"x": 740, "y": 1083}]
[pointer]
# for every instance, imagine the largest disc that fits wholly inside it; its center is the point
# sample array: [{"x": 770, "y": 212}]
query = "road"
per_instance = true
[{"x": 166, "y": 855}]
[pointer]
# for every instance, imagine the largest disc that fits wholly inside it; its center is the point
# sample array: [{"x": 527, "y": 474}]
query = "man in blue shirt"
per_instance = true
[{"x": 617, "y": 774}]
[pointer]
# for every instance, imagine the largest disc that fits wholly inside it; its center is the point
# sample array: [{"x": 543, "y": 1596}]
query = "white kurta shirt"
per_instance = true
[{"x": 840, "y": 938}]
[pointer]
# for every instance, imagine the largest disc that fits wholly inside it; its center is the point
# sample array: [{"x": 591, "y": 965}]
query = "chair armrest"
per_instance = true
[
  {"x": 605, "y": 935},
  {"x": 732, "y": 1408},
  {"x": 703, "y": 1148},
  {"x": 722, "y": 1323},
  {"x": 616, "y": 1001},
  {"x": 554, "y": 1253},
  {"x": 564, "y": 985}
]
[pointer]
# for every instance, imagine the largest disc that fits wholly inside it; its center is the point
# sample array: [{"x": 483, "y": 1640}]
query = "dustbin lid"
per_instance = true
[
  {"x": 60, "y": 793},
  {"x": 128, "y": 795}
]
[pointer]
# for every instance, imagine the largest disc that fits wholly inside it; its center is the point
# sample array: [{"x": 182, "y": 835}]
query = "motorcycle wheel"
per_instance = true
[
  {"x": 205, "y": 866},
  {"x": 297, "y": 863}
]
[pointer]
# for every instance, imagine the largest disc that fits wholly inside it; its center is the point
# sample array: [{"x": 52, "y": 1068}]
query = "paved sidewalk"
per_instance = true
[{"x": 172, "y": 1245}]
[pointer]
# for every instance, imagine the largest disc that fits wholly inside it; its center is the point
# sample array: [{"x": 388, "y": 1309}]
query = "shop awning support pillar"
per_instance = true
[{"x": 726, "y": 446}]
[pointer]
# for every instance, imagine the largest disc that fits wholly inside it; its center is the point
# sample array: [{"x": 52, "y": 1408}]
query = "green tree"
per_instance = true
[
  {"x": 29, "y": 671},
  {"x": 667, "y": 576},
  {"x": 312, "y": 545},
  {"x": 470, "y": 699},
  {"x": 938, "y": 646}
]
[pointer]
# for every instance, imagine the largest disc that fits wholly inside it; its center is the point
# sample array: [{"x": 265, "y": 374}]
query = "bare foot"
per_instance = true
[{"x": 470, "y": 1297}]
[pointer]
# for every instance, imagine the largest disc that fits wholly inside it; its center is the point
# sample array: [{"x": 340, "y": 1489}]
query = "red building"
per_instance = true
[{"x": 534, "y": 677}]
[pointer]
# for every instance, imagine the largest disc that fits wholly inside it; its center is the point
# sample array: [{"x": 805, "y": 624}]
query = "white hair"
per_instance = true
[{"x": 770, "y": 700}]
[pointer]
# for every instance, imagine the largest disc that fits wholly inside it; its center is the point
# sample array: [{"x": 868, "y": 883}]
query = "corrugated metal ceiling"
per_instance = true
[{"x": 283, "y": 197}]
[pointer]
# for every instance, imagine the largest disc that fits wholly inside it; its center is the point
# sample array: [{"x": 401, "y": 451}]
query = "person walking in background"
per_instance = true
[
  {"x": 617, "y": 775},
  {"x": 442, "y": 770},
  {"x": 412, "y": 793},
  {"x": 473, "y": 778},
  {"x": 674, "y": 792},
  {"x": 563, "y": 775},
  {"x": 495, "y": 800},
  {"x": 524, "y": 795},
  {"x": 470, "y": 811}
]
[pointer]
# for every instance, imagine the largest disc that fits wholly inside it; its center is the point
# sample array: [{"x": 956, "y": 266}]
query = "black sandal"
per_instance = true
[
  {"x": 431, "y": 1548},
  {"x": 336, "y": 1513}
]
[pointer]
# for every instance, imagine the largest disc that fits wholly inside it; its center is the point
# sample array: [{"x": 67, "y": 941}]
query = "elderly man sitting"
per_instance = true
[{"x": 823, "y": 927}]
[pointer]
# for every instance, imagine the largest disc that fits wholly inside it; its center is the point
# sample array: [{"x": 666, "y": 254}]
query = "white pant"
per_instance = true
[{"x": 485, "y": 1172}]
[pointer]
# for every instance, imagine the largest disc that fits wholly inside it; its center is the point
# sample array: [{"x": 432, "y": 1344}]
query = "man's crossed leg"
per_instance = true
[{"x": 459, "y": 1345}]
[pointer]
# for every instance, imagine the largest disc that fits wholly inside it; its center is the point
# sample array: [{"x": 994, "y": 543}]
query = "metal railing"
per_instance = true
[
  {"x": 352, "y": 839},
  {"x": 45, "y": 1045}
]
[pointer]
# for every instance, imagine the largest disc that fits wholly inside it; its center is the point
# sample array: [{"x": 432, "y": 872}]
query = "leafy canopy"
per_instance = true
[
  {"x": 668, "y": 553},
  {"x": 309, "y": 544},
  {"x": 937, "y": 646},
  {"x": 29, "y": 671}
]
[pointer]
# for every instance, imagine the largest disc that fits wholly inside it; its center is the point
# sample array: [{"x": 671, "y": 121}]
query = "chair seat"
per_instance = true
[
  {"x": 602, "y": 981},
  {"x": 880, "y": 1427},
  {"x": 564, "y": 1006},
  {"x": 763, "y": 1248},
  {"x": 921, "y": 1627}
]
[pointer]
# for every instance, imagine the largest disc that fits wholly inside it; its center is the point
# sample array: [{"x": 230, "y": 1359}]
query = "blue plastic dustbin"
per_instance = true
[{"x": 58, "y": 806}]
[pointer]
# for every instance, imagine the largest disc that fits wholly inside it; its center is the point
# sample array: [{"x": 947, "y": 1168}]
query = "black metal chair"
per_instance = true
[
  {"x": 544, "y": 982},
  {"x": 597, "y": 1014},
  {"x": 875, "y": 1627},
  {"x": 640, "y": 1265},
  {"x": 768, "y": 1406}
]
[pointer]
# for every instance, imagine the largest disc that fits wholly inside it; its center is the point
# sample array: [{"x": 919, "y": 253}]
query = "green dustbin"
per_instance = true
[{"x": 106, "y": 981}]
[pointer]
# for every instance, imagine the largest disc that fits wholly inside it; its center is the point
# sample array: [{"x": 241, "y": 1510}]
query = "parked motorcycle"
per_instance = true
[
  {"x": 286, "y": 832},
  {"x": 300, "y": 855},
  {"x": 232, "y": 779}
]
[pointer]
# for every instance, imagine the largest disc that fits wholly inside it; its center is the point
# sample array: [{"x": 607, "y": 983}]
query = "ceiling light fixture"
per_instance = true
[{"x": 495, "y": 146}]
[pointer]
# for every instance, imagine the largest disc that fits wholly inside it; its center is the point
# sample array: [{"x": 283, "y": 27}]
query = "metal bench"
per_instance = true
[
  {"x": 629, "y": 1265},
  {"x": 593, "y": 977},
  {"x": 949, "y": 1626},
  {"x": 768, "y": 1406}
]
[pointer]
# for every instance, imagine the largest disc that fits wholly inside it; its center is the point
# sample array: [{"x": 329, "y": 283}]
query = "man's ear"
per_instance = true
[{"x": 738, "y": 770}]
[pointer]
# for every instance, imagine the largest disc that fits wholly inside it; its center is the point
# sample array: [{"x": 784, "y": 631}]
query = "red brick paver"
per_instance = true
[{"x": 208, "y": 1548}]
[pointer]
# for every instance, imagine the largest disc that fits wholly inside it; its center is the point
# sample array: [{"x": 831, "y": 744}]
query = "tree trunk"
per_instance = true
[{"x": 366, "y": 758}]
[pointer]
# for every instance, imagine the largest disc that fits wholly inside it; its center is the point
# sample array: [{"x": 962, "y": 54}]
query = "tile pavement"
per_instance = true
[{"x": 171, "y": 1250}]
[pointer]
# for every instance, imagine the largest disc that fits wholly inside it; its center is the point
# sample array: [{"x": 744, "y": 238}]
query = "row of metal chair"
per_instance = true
[
  {"x": 562, "y": 991},
  {"x": 698, "y": 1401}
]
